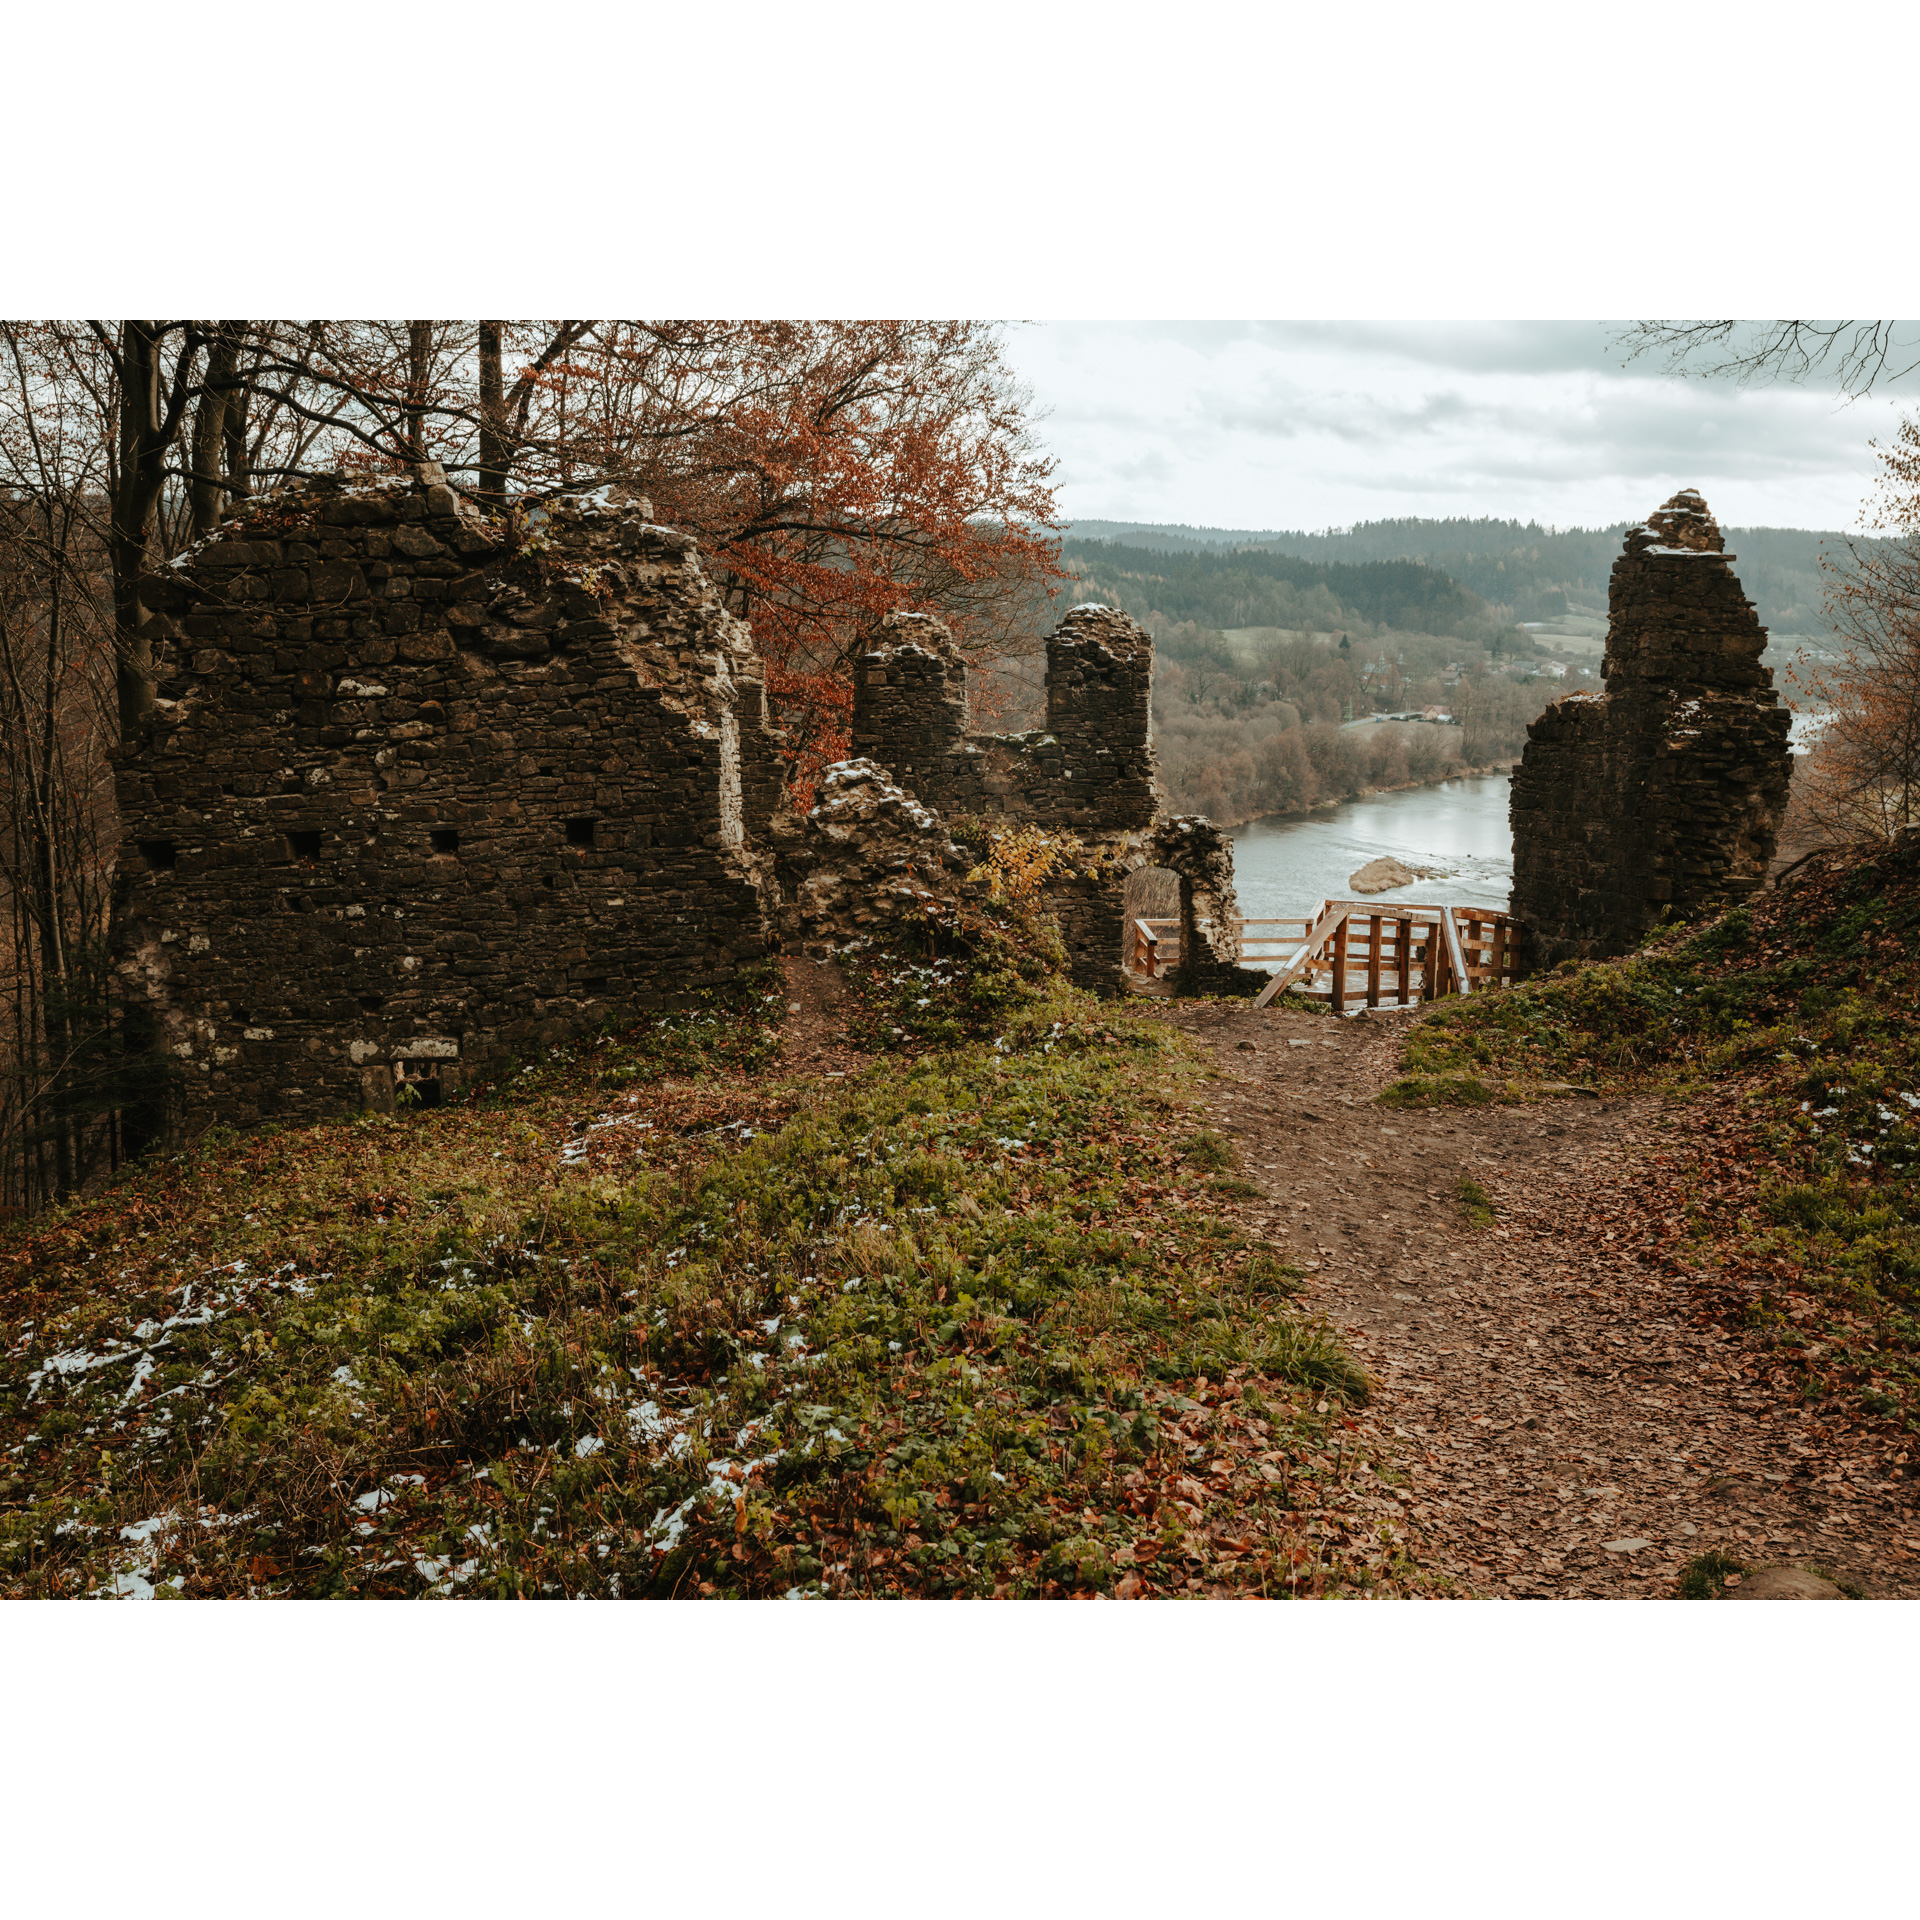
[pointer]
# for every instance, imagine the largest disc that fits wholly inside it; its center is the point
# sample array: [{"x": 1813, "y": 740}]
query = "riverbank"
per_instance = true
[{"x": 1325, "y": 809}]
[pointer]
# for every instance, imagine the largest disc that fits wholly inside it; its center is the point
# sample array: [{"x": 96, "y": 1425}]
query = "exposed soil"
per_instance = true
[
  {"x": 812, "y": 1041},
  {"x": 1573, "y": 1422}
]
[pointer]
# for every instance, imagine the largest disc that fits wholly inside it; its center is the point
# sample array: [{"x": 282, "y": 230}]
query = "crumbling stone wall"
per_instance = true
[
  {"x": 1663, "y": 793},
  {"x": 869, "y": 859},
  {"x": 1091, "y": 767},
  {"x": 424, "y": 790},
  {"x": 1090, "y": 771},
  {"x": 1210, "y": 948}
]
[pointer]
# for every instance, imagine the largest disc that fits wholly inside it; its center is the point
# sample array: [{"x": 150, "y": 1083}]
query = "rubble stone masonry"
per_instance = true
[
  {"x": 1663, "y": 793},
  {"x": 425, "y": 790},
  {"x": 1091, "y": 767},
  {"x": 1090, "y": 771}
]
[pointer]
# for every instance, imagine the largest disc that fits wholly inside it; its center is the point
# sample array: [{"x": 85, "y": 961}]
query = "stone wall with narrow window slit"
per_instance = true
[{"x": 425, "y": 789}]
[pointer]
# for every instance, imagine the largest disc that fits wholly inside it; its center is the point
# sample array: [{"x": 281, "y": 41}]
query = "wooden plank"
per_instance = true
[
  {"x": 1500, "y": 949},
  {"x": 1146, "y": 949},
  {"x": 1405, "y": 958},
  {"x": 1373, "y": 961},
  {"x": 1316, "y": 938},
  {"x": 1340, "y": 967},
  {"x": 1455, "y": 957}
]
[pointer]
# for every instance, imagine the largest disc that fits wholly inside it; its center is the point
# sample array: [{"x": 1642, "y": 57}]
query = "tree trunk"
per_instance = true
[
  {"x": 149, "y": 424},
  {"x": 218, "y": 392},
  {"x": 419, "y": 347},
  {"x": 493, "y": 421},
  {"x": 234, "y": 429},
  {"x": 133, "y": 507}
]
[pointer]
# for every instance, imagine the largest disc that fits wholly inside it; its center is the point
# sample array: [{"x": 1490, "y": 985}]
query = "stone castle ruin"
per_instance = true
[
  {"x": 1664, "y": 793},
  {"x": 1090, "y": 771},
  {"x": 425, "y": 790},
  {"x": 422, "y": 793}
]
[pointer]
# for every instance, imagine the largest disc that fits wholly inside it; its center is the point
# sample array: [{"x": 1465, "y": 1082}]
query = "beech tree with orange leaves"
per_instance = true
[
  {"x": 1861, "y": 782},
  {"x": 833, "y": 471}
]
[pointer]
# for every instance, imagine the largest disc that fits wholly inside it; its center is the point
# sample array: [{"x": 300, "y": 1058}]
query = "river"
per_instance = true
[{"x": 1286, "y": 867}]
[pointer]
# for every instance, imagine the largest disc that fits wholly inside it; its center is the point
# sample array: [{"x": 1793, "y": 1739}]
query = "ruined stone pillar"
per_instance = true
[
  {"x": 910, "y": 704},
  {"x": 1662, "y": 794},
  {"x": 1099, "y": 708}
]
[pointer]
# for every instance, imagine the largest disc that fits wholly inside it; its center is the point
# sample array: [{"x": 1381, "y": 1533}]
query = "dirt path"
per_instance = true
[
  {"x": 1569, "y": 1428},
  {"x": 811, "y": 1038}
]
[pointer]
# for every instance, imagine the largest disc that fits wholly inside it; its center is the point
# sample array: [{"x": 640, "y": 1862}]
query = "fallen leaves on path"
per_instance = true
[{"x": 1572, "y": 1409}]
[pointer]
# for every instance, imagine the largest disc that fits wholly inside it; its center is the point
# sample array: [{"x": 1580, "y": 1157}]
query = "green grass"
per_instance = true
[
  {"x": 970, "y": 1324},
  {"x": 1705, "y": 1576},
  {"x": 1437, "y": 1090},
  {"x": 1476, "y": 1203}
]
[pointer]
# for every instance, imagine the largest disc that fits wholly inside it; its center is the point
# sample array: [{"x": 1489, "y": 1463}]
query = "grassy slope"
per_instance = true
[
  {"x": 977, "y": 1322},
  {"x": 1789, "y": 1030}
]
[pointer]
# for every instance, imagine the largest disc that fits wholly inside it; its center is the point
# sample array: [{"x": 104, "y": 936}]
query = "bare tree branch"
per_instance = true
[{"x": 1857, "y": 355}]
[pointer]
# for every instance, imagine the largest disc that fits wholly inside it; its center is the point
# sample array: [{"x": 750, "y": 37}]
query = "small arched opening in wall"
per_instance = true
[{"x": 1150, "y": 928}]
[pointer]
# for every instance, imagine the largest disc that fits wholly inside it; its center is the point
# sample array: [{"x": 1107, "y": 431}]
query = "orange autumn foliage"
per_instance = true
[
  {"x": 833, "y": 471},
  {"x": 1862, "y": 779}
]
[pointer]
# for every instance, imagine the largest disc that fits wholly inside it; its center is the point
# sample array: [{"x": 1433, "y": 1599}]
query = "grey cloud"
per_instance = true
[
  {"x": 1496, "y": 346},
  {"x": 1274, "y": 423},
  {"x": 1619, "y": 422}
]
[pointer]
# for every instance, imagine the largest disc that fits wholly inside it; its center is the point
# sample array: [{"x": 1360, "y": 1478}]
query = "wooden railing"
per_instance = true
[
  {"x": 1153, "y": 947},
  {"x": 1353, "y": 951},
  {"x": 1356, "y": 951}
]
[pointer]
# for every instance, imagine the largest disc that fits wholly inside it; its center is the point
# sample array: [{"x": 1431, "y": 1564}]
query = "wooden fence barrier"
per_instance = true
[
  {"x": 1405, "y": 952},
  {"x": 1352, "y": 950}
]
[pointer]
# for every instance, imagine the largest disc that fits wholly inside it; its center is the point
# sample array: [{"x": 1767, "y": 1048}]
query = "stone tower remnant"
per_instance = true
[
  {"x": 1662, "y": 794},
  {"x": 1090, "y": 772}
]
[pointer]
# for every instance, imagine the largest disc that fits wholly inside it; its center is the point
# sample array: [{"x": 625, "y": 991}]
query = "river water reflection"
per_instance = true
[{"x": 1287, "y": 867}]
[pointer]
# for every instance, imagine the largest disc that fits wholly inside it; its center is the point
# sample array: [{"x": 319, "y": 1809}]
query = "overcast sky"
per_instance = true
[{"x": 1310, "y": 424}]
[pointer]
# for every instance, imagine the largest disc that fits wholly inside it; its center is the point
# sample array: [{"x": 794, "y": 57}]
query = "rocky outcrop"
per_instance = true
[
  {"x": 1386, "y": 873},
  {"x": 1663, "y": 794},
  {"x": 867, "y": 861}
]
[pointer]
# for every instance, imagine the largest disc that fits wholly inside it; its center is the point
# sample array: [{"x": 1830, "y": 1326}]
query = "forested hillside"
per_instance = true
[
  {"x": 1530, "y": 571},
  {"x": 1247, "y": 587},
  {"x": 1264, "y": 727},
  {"x": 1269, "y": 667}
]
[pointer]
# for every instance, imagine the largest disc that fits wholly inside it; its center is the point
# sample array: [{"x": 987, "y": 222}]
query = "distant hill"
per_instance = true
[
  {"x": 1522, "y": 569},
  {"x": 1220, "y": 586}
]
